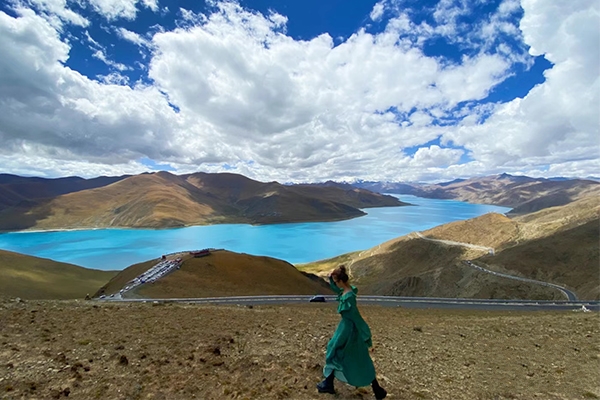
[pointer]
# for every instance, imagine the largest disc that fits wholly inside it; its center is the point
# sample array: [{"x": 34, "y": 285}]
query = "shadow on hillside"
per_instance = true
[
  {"x": 411, "y": 268},
  {"x": 24, "y": 216},
  {"x": 317, "y": 279}
]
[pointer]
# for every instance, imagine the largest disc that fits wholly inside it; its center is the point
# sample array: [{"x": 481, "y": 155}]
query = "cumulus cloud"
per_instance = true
[
  {"x": 231, "y": 87},
  {"x": 49, "y": 109},
  {"x": 57, "y": 12},
  {"x": 434, "y": 156},
  {"x": 298, "y": 104},
  {"x": 557, "y": 121}
]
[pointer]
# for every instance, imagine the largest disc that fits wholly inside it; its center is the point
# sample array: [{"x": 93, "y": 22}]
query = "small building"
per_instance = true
[{"x": 200, "y": 253}]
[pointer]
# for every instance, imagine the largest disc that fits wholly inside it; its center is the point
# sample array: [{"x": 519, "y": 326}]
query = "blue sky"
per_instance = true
[{"x": 399, "y": 90}]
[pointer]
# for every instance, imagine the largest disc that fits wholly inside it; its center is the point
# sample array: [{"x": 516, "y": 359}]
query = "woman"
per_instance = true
[{"x": 348, "y": 356}]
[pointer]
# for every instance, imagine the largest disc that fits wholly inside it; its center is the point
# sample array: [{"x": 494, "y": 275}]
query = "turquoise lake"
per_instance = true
[{"x": 116, "y": 249}]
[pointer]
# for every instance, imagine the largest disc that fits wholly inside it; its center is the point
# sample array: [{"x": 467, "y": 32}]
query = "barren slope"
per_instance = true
[
  {"x": 93, "y": 350},
  {"x": 570, "y": 258},
  {"x": 490, "y": 230}
]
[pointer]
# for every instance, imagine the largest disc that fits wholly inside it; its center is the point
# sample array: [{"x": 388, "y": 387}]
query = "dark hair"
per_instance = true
[{"x": 340, "y": 273}]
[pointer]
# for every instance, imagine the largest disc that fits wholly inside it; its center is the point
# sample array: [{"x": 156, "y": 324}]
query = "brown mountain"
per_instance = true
[
  {"x": 160, "y": 200},
  {"x": 523, "y": 193},
  {"x": 17, "y": 190},
  {"x": 30, "y": 277},
  {"x": 222, "y": 273},
  {"x": 559, "y": 245}
]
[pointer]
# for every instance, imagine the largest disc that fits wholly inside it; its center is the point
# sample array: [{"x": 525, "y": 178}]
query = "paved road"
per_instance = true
[
  {"x": 393, "y": 301},
  {"x": 568, "y": 294},
  {"x": 489, "y": 250}
]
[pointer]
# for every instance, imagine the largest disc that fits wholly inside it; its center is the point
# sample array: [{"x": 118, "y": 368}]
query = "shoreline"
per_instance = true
[
  {"x": 343, "y": 236},
  {"x": 365, "y": 213}
]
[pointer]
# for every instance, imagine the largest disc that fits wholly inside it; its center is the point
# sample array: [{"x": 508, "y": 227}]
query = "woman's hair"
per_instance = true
[{"x": 340, "y": 273}]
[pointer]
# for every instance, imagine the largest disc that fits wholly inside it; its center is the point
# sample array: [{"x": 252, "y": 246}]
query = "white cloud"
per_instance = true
[
  {"x": 126, "y": 9},
  {"x": 557, "y": 122},
  {"x": 43, "y": 166},
  {"x": 434, "y": 156},
  {"x": 275, "y": 108},
  {"x": 101, "y": 55},
  {"x": 132, "y": 37},
  {"x": 99, "y": 52},
  {"x": 377, "y": 11},
  {"x": 53, "y": 9},
  {"x": 115, "y": 79},
  {"x": 47, "y": 109}
]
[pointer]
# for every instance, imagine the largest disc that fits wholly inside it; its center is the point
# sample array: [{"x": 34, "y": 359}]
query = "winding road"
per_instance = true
[{"x": 571, "y": 296}]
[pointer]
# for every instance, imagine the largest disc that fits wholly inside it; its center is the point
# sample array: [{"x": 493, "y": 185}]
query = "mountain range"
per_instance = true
[
  {"x": 522, "y": 193},
  {"x": 163, "y": 200},
  {"x": 551, "y": 235}
]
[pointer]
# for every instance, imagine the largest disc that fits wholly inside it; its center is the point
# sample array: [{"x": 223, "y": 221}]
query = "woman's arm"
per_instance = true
[{"x": 334, "y": 287}]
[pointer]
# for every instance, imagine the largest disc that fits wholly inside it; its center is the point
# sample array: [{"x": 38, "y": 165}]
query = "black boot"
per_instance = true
[
  {"x": 326, "y": 386},
  {"x": 379, "y": 392}
]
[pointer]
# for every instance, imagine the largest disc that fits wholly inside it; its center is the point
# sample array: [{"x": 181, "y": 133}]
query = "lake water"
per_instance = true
[{"x": 116, "y": 249}]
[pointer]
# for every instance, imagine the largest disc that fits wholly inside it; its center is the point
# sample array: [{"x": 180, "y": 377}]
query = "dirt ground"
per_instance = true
[{"x": 91, "y": 350}]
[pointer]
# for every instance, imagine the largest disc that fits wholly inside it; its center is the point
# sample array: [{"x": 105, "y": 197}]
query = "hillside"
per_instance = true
[
  {"x": 30, "y": 277},
  {"x": 558, "y": 245},
  {"x": 489, "y": 230},
  {"x": 18, "y": 191},
  {"x": 410, "y": 266},
  {"x": 222, "y": 273},
  {"x": 522, "y": 193},
  {"x": 570, "y": 257},
  {"x": 161, "y": 200}
]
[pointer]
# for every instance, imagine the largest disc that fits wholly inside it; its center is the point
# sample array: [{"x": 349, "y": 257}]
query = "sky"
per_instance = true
[{"x": 301, "y": 91}]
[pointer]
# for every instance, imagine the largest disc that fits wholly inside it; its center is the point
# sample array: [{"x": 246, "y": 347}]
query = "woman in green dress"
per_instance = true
[{"x": 348, "y": 356}]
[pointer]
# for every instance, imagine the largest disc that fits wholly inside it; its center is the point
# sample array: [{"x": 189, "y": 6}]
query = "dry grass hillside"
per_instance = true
[
  {"x": 30, "y": 277},
  {"x": 570, "y": 257},
  {"x": 222, "y": 273},
  {"x": 490, "y": 230},
  {"x": 498, "y": 231},
  {"x": 410, "y": 266},
  {"x": 554, "y": 219},
  {"x": 162, "y": 199},
  {"x": 94, "y": 350},
  {"x": 559, "y": 245},
  {"x": 147, "y": 200}
]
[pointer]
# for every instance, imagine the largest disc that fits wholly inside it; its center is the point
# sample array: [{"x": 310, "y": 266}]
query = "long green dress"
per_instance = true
[{"x": 348, "y": 350}]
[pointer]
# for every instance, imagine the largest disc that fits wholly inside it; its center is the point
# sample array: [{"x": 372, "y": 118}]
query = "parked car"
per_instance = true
[{"x": 317, "y": 299}]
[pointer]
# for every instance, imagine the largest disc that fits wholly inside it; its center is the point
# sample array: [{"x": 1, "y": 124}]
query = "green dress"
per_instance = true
[{"x": 348, "y": 350}]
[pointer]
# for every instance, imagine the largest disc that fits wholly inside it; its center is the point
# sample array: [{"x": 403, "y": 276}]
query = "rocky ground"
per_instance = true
[{"x": 91, "y": 350}]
